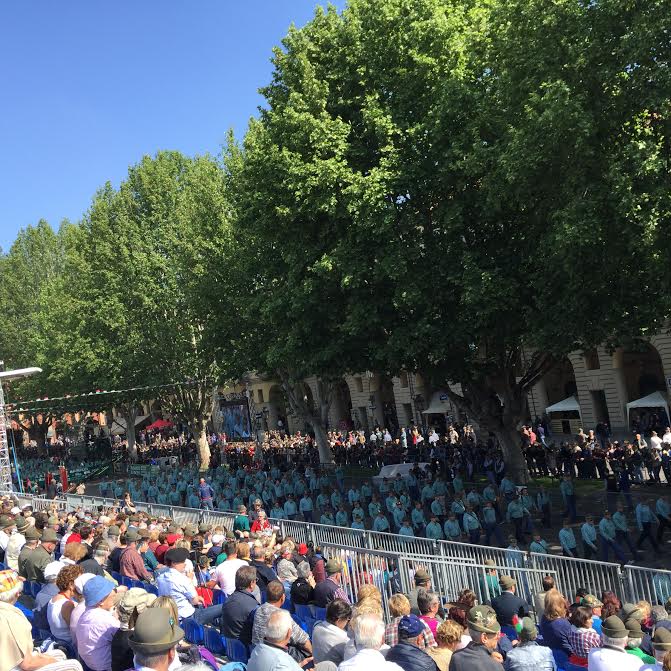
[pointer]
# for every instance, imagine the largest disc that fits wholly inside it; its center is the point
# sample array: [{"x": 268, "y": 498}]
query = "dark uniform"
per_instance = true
[{"x": 35, "y": 564}]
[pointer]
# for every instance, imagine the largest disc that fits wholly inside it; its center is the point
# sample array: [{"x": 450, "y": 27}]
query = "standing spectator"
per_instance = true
[
  {"x": 206, "y": 495},
  {"x": 422, "y": 582},
  {"x": 264, "y": 574},
  {"x": 286, "y": 569},
  {"x": 329, "y": 637},
  {"x": 97, "y": 625},
  {"x": 528, "y": 654},
  {"x": 428, "y": 604},
  {"x": 331, "y": 588},
  {"x": 237, "y": 613},
  {"x": 508, "y": 604},
  {"x": 554, "y": 626}
]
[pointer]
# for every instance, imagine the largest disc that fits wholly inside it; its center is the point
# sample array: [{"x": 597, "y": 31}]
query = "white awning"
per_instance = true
[
  {"x": 440, "y": 404},
  {"x": 654, "y": 400},
  {"x": 569, "y": 404}
]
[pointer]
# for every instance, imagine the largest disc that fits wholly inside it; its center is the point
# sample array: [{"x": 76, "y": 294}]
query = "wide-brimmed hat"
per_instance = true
[
  {"x": 613, "y": 627},
  {"x": 32, "y": 534},
  {"x": 528, "y": 630},
  {"x": 22, "y": 524},
  {"x": 333, "y": 566},
  {"x": 132, "y": 536},
  {"x": 634, "y": 628},
  {"x": 49, "y": 536},
  {"x": 155, "y": 631},
  {"x": 483, "y": 619},
  {"x": 135, "y": 597},
  {"x": 591, "y": 601},
  {"x": 96, "y": 590},
  {"x": 506, "y": 582},
  {"x": 114, "y": 531},
  {"x": 661, "y": 639},
  {"x": 422, "y": 576}
]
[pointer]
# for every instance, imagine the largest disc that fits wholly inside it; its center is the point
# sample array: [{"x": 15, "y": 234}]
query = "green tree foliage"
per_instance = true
[{"x": 461, "y": 185}]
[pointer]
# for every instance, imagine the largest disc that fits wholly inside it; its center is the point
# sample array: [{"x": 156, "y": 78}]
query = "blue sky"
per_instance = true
[{"x": 87, "y": 88}]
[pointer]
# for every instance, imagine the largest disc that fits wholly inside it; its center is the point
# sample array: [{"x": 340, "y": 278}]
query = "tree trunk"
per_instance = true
[
  {"x": 516, "y": 465},
  {"x": 198, "y": 427},
  {"x": 313, "y": 418}
]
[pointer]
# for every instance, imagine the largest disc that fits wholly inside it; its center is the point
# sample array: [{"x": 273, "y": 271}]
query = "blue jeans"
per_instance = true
[{"x": 207, "y": 615}]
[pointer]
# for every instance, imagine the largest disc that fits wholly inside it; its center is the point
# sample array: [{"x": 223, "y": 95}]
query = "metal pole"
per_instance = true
[{"x": 5, "y": 466}]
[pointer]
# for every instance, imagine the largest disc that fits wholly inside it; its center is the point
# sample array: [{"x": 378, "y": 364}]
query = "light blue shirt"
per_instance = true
[
  {"x": 434, "y": 531},
  {"x": 644, "y": 515},
  {"x": 588, "y": 533},
  {"x": 174, "y": 584},
  {"x": 380, "y": 524},
  {"x": 662, "y": 508},
  {"x": 607, "y": 529},
  {"x": 452, "y": 529},
  {"x": 620, "y": 521},
  {"x": 567, "y": 540},
  {"x": 471, "y": 522}
]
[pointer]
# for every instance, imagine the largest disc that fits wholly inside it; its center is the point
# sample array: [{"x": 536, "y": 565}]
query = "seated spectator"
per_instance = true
[
  {"x": 175, "y": 584},
  {"x": 96, "y": 564},
  {"x": 428, "y": 604},
  {"x": 61, "y": 605},
  {"x": 407, "y": 653},
  {"x": 286, "y": 569},
  {"x": 528, "y": 654},
  {"x": 133, "y": 602},
  {"x": 299, "y": 645},
  {"x": 97, "y": 625},
  {"x": 44, "y": 596},
  {"x": 264, "y": 573},
  {"x": 329, "y": 637},
  {"x": 634, "y": 641},
  {"x": 448, "y": 637},
  {"x": 302, "y": 589},
  {"x": 582, "y": 638},
  {"x": 237, "y": 614},
  {"x": 271, "y": 654},
  {"x": 611, "y": 605},
  {"x": 227, "y": 570},
  {"x": 480, "y": 654},
  {"x": 508, "y": 605},
  {"x": 16, "y": 641},
  {"x": 458, "y": 615},
  {"x": 661, "y": 644},
  {"x": 79, "y": 609},
  {"x": 592, "y": 602},
  {"x": 555, "y": 627},
  {"x": 640, "y": 611},
  {"x": 42, "y": 555},
  {"x": 331, "y": 588},
  {"x": 154, "y": 640},
  {"x": 399, "y": 605},
  {"x": 131, "y": 564},
  {"x": 368, "y": 630},
  {"x": 612, "y": 656},
  {"x": 663, "y": 620}
]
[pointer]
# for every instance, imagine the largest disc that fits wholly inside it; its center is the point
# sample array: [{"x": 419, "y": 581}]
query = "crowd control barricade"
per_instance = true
[
  {"x": 595, "y": 576},
  {"x": 651, "y": 584},
  {"x": 365, "y": 567}
]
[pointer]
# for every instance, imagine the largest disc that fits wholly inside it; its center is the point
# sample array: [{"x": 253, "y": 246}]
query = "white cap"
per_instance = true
[
  {"x": 52, "y": 570},
  {"x": 81, "y": 580},
  {"x": 217, "y": 538},
  {"x": 15, "y": 511}
]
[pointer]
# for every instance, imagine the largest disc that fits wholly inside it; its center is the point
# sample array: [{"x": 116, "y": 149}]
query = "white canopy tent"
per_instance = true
[
  {"x": 569, "y": 404},
  {"x": 654, "y": 400},
  {"x": 439, "y": 405}
]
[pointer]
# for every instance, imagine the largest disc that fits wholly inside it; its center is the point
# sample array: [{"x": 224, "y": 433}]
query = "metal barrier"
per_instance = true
[
  {"x": 631, "y": 582},
  {"x": 595, "y": 576},
  {"x": 653, "y": 585}
]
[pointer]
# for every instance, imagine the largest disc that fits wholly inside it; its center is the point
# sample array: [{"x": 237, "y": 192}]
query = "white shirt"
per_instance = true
[
  {"x": 16, "y": 542},
  {"x": 655, "y": 442},
  {"x": 608, "y": 659},
  {"x": 666, "y": 438},
  {"x": 4, "y": 539},
  {"x": 176, "y": 585},
  {"x": 225, "y": 574},
  {"x": 328, "y": 642},
  {"x": 368, "y": 660}
]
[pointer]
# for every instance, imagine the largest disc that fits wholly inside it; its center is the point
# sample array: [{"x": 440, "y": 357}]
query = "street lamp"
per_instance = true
[{"x": 5, "y": 466}]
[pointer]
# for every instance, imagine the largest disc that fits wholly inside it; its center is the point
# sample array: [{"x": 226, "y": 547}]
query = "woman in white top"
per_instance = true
[{"x": 61, "y": 606}]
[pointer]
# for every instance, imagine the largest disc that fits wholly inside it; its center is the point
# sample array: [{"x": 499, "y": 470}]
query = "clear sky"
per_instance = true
[{"x": 87, "y": 88}]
